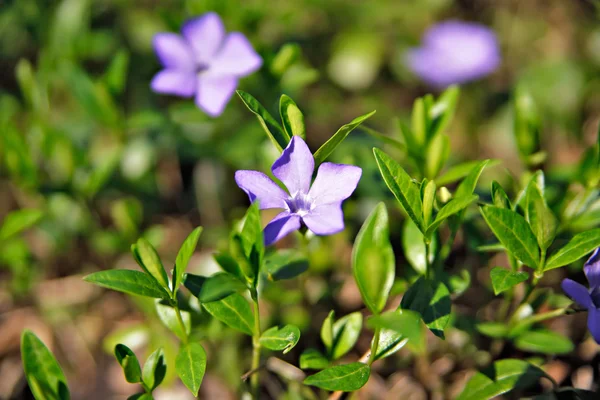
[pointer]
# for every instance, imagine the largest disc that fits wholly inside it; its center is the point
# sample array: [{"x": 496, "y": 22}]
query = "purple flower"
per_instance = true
[
  {"x": 588, "y": 298},
  {"x": 455, "y": 52},
  {"x": 204, "y": 61},
  {"x": 318, "y": 206}
]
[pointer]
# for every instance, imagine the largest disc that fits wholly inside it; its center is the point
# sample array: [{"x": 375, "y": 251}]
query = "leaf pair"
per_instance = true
[{"x": 154, "y": 370}]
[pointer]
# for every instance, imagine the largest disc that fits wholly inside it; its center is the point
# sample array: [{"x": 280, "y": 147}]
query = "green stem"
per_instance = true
[
  {"x": 184, "y": 339},
  {"x": 427, "y": 263},
  {"x": 374, "y": 345},
  {"x": 254, "y": 378}
]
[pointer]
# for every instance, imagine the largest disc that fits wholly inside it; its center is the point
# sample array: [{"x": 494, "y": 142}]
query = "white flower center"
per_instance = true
[{"x": 300, "y": 204}]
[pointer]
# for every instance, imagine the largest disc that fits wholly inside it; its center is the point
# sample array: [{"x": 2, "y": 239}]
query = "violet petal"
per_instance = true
[
  {"x": 592, "y": 269},
  {"x": 173, "y": 52},
  {"x": 577, "y": 292},
  {"x": 237, "y": 57},
  {"x": 295, "y": 166},
  {"x": 174, "y": 82},
  {"x": 260, "y": 187},
  {"x": 334, "y": 183},
  {"x": 283, "y": 224},
  {"x": 205, "y": 36},
  {"x": 213, "y": 94},
  {"x": 325, "y": 219}
]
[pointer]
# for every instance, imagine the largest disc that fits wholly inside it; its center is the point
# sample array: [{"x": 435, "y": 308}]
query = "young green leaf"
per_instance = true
[
  {"x": 579, "y": 246},
  {"x": 501, "y": 377},
  {"x": 544, "y": 341},
  {"x": 499, "y": 196},
  {"x": 44, "y": 375},
  {"x": 219, "y": 286},
  {"x": 389, "y": 343},
  {"x": 184, "y": 255},
  {"x": 190, "y": 365},
  {"x": 292, "y": 118},
  {"x": 405, "y": 322},
  {"x": 129, "y": 363},
  {"x": 229, "y": 264},
  {"x": 419, "y": 122},
  {"x": 503, "y": 279},
  {"x": 373, "y": 261},
  {"x": 514, "y": 233},
  {"x": 452, "y": 207},
  {"x": 413, "y": 246},
  {"x": 442, "y": 111},
  {"x": 279, "y": 136},
  {"x": 155, "y": 369},
  {"x": 346, "y": 331},
  {"x": 329, "y": 146},
  {"x": 495, "y": 330},
  {"x": 280, "y": 339},
  {"x": 313, "y": 359},
  {"x": 168, "y": 316},
  {"x": 285, "y": 264},
  {"x": 526, "y": 123},
  {"x": 468, "y": 185},
  {"x": 345, "y": 378},
  {"x": 431, "y": 299},
  {"x": 252, "y": 241},
  {"x": 18, "y": 221},
  {"x": 438, "y": 151},
  {"x": 146, "y": 255},
  {"x": 128, "y": 281},
  {"x": 542, "y": 221},
  {"x": 401, "y": 185},
  {"x": 428, "y": 200},
  {"x": 327, "y": 331},
  {"x": 234, "y": 311}
]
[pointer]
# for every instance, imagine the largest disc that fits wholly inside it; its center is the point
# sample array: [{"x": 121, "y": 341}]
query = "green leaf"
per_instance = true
[
  {"x": 183, "y": 257},
  {"x": 405, "y": 322},
  {"x": 544, "y": 341},
  {"x": 168, "y": 316},
  {"x": 514, "y": 233},
  {"x": 116, "y": 73},
  {"x": 292, "y": 118},
  {"x": 457, "y": 172},
  {"x": 401, "y": 185},
  {"x": 129, "y": 363},
  {"x": 141, "y": 396},
  {"x": 496, "y": 330},
  {"x": 313, "y": 359},
  {"x": 542, "y": 221},
  {"x": 501, "y": 377},
  {"x": 18, "y": 221},
  {"x": 44, "y": 375},
  {"x": 441, "y": 113},
  {"x": 155, "y": 369},
  {"x": 345, "y": 378},
  {"x": 503, "y": 279},
  {"x": 229, "y": 264},
  {"x": 579, "y": 246},
  {"x": 468, "y": 185},
  {"x": 346, "y": 331},
  {"x": 432, "y": 300},
  {"x": 438, "y": 151},
  {"x": 499, "y": 196},
  {"x": 413, "y": 245},
  {"x": 428, "y": 200},
  {"x": 190, "y": 365},
  {"x": 252, "y": 241},
  {"x": 219, "y": 286},
  {"x": 389, "y": 343},
  {"x": 419, "y": 122},
  {"x": 327, "y": 331},
  {"x": 452, "y": 207},
  {"x": 194, "y": 283},
  {"x": 279, "y": 137},
  {"x": 128, "y": 281},
  {"x": 526, "y": 123},
  {"x": 280, "y": 339},
  {"x": 329, "y": 146},
  {"x": 373, "y": 261},
  {"x": 148, "y": 259},
  {"x": 285, "y": 264},
  {"x": 234, "y": 311}
]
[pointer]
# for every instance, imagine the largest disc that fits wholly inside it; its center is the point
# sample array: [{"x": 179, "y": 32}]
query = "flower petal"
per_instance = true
[
  {"x": 173, "y": 52},
  {"x": 592, "y": 269},
  {"x": 205, "y": 36},
  {"x": 260, "y": 187},
  {"x": 325, "y": 219},
  {"x": 577, "y": 292},
  {"x": 594, "y": 323},
  {"x": 334, "y": 183},
  {"x": 237, "y": 57},
  {"x": 281, "y": 226},
  {"x": 213, "y": 94},
  {"x": 174, "y": 82},
  {"x": 295, "y": 166}
]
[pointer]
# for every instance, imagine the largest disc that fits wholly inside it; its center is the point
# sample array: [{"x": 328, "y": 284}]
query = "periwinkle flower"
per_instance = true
[
  {"x": 588, "y": 298},
  {"x": 318, "y": 206},
  {"x": 455, "y": 52},
  {"x": 204, "y": 62}
]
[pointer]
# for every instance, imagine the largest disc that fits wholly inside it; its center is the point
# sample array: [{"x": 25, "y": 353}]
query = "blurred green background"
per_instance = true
[{"x": 84, "y": 141}]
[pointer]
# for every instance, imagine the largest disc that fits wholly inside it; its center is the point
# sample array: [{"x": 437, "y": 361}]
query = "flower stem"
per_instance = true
[
  {"x": 427, "y": 263},
  {"x": 254, "y": 379},
  {"x": 184, "y": 338}
]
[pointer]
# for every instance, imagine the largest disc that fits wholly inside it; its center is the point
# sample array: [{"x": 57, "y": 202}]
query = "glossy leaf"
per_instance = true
[
  {"x": 389, "y": 343},
  {"x": 401, "y": 185},
  {"x": 413, "y": 245},
  {"x": 346, "y": 332},
  {"x": 432, "y": 300},
  {"x": 442, "y": 111},
  {"x": 18, "y": 221},
  {"x": 496, "y": 330},
  {"x": 514, "y": 233},
  {"x": 252, "y": 241},
  {"x": 460, "y": 171},
  {"x": 291, "y": 117},
  {"x": 146, "y": 255},
  {"x": 454, "y": 206},
  {"x": 503, "y": 279},
  {"x": 437, "y": 155},
  {"x": 285, "y": 264},
  {"x": 183, "y": 256},
  {"x": 234, "y": 311},
  {"x": 278, "y": 135},
  {"x": 579, "y": 246},
  {"x": 168, "y": 316},
  {"x": 190, "y": 365},
  {"x": 541, "y": 219},
  {"x": 219, "y": 286},
  {"x": 544, "y": 341},
  {"x": 373, "y": 261},
  {"x": 229, "y": 264},
  {"x": 44, "y": 375},
  {"x": 330, "y": 145},
  {"x": 501, "y": 377},
  {"x": 155, "y": 369},
  {"x": 428, "y": 201},
  {"x": 129, "y": 363},
  {"x": 313, "y": 359},
  {"x": 468, "y": 185},
  {"x": 327, "y": 331},
  {"x": 280, "y": 339},
  {"x": 128, "y": 281},
  {"x": 345, "y": 378},
  {"x": 499, "y": 196},
  {"x": 405, "y": 322}
]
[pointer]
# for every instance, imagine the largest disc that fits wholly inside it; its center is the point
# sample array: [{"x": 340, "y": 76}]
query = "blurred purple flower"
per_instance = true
[
  {"x": 319, "y": 207},
  {"x": 204, "y": 61},
  {"x": 588, "y": 298},
  {"x": 455, "y": 52}
]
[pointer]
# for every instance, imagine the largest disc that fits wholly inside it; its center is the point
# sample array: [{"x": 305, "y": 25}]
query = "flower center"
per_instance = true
[
  {"x": 200, "y": 68},
  {"x": 299, "y": 204}
]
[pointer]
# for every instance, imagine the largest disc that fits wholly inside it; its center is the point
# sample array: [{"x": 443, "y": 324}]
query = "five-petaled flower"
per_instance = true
[
  {"x": 318, "y": 206},
  {"x": 204, "y": 61},
  {"x": 588, "y": 298},
  {"x": 455, "y": 52}
]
